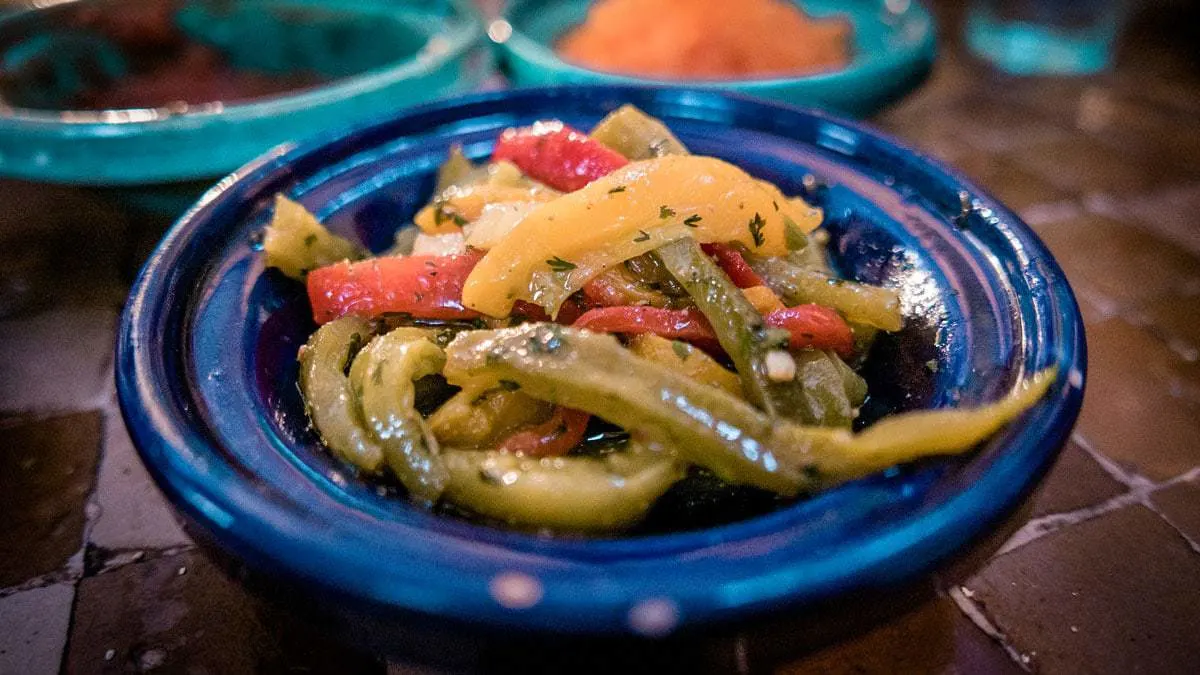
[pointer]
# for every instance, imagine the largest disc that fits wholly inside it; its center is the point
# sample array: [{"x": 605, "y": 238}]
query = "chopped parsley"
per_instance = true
[
  {"x": 642, "y": 236},
  {"x": 559, "y": 265},
  {"x": 377, "y": 374},
  {"x": 665, "y": 212},
  {"x": 310, "y": 240},
  {"x": 682, "y": 350},
  {"x": 692, "y": 220},
  {"x": 509, "y": 385},
  {"x": 756, "y": 227}
]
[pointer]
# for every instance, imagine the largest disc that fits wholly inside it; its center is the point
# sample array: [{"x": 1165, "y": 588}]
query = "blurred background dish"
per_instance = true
[
  {"x": 892, "y": 46},
  {"x": 173, "y": 94}
]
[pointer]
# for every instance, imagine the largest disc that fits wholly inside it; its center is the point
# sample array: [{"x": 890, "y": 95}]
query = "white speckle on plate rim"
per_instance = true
[{"x": 515, "y": 590}]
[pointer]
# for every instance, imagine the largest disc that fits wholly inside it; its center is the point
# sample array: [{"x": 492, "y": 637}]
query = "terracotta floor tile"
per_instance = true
[
  {"x": 1180, "y": 504},
  {"x": 1083, "y": 165},
  {"x": 1007, "y": 181},
  {"x": 1176, "y": 319},
  {"x": 33, "y": 629},
  {"x": 1119, "y": 261},
  {"x": 1118, "y": 594},
  {"x": 1130, "y": 411},
  {"x": 1171, "y": 213},
  {"x": 934, "y": 638},
  {"x": 1075, "y": 481},
  {"x": 47, "y": 468},
  {"x": 78, "y": 377},
  {"x": 133, "y": 513},
  {"x": 181, "y": 614}
]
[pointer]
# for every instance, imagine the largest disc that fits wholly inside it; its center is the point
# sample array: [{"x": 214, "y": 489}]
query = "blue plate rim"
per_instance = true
[{"x": 168, "y": 448}]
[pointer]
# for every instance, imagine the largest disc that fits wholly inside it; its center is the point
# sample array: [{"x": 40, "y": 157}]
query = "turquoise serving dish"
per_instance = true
[
  {"x": 894, "y": 48},
  {"x": 371, "y": 57}
]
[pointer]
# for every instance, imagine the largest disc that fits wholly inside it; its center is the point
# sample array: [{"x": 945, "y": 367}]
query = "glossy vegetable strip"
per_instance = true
[
  {"x": 637, "y": 135},
  {"x": 836, "y": 455},
  {"x": 821, "y": 397},
  {"x": 557, "y": 155},
  {"x": 688, "y": 325},
  {"x": 733, "y": 264},
  {"x": 738, "y": 327},
  {"x": 686, "y": 359},
  {"x": 296, "y": 243},
  {"x": 615, "y": 287},
  {"x": 457, "y": 206},
  {"x": 328, "y": 396},
  {"x": 484, "y": 413},
  {"x": 813, "y": 326},
  {"x": 563, "y": 244},
  {"x": 562, "y": 493},
  {"x": 553, "y": 438},
  {"x": 426, "y": 287},
  {"x": 859, "y": 303},
  {"x": 656, "y": 404},
  {"x": 382, "y": 378},
  {"x": 763, "y": 299},
  {"x": 455, "y": 170},
  {"x": 708, "y": 426}
]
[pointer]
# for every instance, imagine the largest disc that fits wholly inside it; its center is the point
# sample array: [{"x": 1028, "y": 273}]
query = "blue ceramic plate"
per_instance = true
[
  {"x": 894, "y": 46},
  {"x": 207, "y": 381}
]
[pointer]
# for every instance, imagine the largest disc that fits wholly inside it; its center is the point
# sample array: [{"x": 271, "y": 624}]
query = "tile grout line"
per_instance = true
[
  {"x": 976, "y": 615},
  {"x": 1139, "y": 490}
]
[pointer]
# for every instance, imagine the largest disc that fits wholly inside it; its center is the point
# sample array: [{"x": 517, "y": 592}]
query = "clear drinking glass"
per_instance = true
[{"x": 1033, "y": 37}]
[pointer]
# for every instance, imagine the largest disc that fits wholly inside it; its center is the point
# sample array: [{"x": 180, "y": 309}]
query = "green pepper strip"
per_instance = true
[
  {"x": 706, "y": 425},
  {"x": 747, "y": 340},
  {"x": 331, "y": 403},
  {"x": 382, "y": 377},
  {"x": 637, "y": 135},
  {"x": 822, "y": 394},
  {"x": 859, "y": 303},
  {"x": 583, "y": 494}
]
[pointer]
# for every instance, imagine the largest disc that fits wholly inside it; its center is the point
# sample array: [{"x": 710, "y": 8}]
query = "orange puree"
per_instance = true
[{"x": 706, "y": 39}]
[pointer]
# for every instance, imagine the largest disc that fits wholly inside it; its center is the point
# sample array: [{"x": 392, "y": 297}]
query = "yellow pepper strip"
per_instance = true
[
  {"x": 457, "y": 206},
  {"x": 841, "y": 455},
  {"x": 484, "y": 412},
  {"x": 763, "y": 299},
  {"x": 564, "y": 243},
  {"x": 685, "y": 359}
]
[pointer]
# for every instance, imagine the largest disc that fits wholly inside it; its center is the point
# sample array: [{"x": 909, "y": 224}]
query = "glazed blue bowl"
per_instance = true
[
  {"x": 372, "y": 58},
  {"x": 206, "y": 376},
  {"x": 894, "y": 45}
]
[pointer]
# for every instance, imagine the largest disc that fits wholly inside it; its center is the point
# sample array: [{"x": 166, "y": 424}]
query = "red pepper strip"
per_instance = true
[
  {"x": 688, "y": 325},
  {"x": 810, "y": 326},
  {"x": 557, "y": 155},
  {"x": 427, "y": 287},
  {"x": 731, "y": 261},
  {"x": 552, "y": 438},
  {"x": 814, "y": 326}
]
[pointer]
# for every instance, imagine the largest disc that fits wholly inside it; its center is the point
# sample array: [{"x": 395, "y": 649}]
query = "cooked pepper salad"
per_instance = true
[{"x": 573, "y": 327}]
